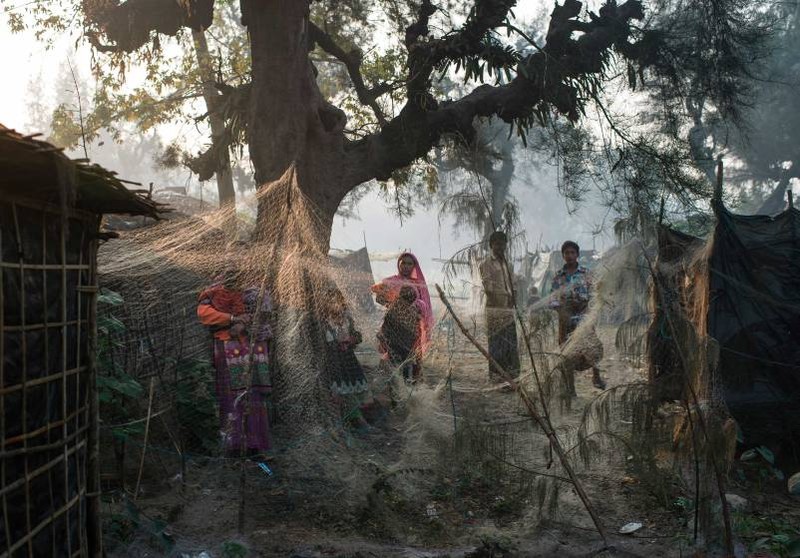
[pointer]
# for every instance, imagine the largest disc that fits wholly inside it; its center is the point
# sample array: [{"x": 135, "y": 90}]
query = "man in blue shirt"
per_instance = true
[{"x": 571, "y": 289}]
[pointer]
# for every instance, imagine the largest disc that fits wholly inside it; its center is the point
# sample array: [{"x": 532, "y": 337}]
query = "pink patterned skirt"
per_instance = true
[{"x": 243, "y": 386}]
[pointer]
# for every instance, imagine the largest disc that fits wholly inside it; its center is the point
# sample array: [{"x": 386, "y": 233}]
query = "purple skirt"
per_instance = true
[{"x": 242, "y": 403}]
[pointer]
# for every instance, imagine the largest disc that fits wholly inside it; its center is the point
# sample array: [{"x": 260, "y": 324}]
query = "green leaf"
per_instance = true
[
  {"x": 109, "y": 324},
  {"x": 781, "y": 538},
  {"x": 129, "y": 387},
  {"x": 766, "y": 454},
  {"x": 233, "y": 549},
  {"x": 120, "y": 433},
  {"x": 761, "y": 543},
  {"x": 749, "y": 455},
  {"x": 110, "y": 297},
  {"x": 126, "y": 386}
]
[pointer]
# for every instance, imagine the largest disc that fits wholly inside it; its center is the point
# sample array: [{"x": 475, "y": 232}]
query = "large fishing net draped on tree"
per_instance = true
[
  {"x": 454, "y": 425},
  {"x": 159, "y": 271}
]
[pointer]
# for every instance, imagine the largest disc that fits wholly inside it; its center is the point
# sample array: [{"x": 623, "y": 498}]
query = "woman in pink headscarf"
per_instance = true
[{"x": 387, "y": 293}]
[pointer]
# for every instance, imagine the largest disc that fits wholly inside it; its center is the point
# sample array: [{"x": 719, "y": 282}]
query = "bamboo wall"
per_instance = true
[{"x": 49, "y": 496}]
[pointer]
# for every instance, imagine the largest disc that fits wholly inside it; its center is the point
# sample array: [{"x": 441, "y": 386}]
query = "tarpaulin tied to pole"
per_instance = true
[{"x": 742, "y": 289}]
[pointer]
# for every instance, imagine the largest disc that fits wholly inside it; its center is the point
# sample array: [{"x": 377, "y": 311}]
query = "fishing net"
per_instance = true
[{"x": 440, "y": 451}]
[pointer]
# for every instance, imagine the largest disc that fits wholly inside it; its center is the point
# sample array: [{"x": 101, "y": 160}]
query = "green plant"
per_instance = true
[
  {"x": 121, "y": 528},
  {"x": 234, "y": 549},
  {"x": 194, "y": 405},
  {"x": 775, "y": 535},
  {"x": 760, "y": 461},
  {"x": 116, "y": 389}
]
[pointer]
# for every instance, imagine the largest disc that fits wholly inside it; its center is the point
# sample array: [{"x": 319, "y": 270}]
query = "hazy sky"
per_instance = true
[{"x": 543, "y": 212}]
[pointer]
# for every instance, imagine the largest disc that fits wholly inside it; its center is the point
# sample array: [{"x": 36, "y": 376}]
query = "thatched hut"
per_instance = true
[{"x": 50, "y": 213}]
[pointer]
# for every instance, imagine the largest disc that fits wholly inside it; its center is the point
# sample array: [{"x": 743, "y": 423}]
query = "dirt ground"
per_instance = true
[{"x": 282, "y": 516}]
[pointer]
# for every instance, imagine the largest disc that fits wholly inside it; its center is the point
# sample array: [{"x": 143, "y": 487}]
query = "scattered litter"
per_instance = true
[
  {"x": 736, "y": 502},
  {"x": 629, "y": 528},
  {"x": 431, "y": 511},
  {"x": 794, "y": 484},
  {"x": 264, "y": 467}
]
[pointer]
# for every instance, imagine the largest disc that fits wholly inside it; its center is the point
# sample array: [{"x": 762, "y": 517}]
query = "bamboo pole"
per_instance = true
[
  {"x": 542, "y": 421},
  {"x": 146, "y": 434},
  {"x": 93, "y": 502}
]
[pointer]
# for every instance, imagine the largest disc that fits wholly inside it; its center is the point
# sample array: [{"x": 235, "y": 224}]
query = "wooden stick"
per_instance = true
[
  {"x": 543, "y": 422},
  {"x": 146, "y": 433},
  {"x": 242, "y": 493},
  {"x": 94, "y": 520},
  {"x": 252, "y": 335}
]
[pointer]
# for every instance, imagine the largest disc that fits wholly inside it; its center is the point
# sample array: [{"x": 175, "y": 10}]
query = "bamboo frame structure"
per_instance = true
[
  {"x": 48, "y": 414},
  {"x": 50, "y": 213}
]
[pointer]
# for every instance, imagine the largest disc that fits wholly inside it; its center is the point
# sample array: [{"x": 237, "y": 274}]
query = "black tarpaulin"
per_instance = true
[
  {"x": 741, "y": 288},
  {"x": 754, "y": 314}
]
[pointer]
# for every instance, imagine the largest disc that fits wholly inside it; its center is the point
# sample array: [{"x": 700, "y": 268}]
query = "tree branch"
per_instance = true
[
  {"x": 472, "y": 40},
  {"x": 352, "y": 61},
  {"x": 127, "y": 26},
  {"x": 556, "y": 76}
]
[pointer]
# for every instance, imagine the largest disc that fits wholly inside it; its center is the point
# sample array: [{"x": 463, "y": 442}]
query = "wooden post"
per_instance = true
[
  {"x": 94, "y": 523},
  {"x": 146, "y": 433}
]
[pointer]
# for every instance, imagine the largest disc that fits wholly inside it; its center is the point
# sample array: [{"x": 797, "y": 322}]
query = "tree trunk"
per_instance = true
[
  {"x": 227, "y": 194},
  {"x": 500, "y": 182},
  {"x": 296, "y": 144},
  {"x": 702, "y": 155},
  {"x": 296, "y": 138},
  {"x": 777, "y": 201}
]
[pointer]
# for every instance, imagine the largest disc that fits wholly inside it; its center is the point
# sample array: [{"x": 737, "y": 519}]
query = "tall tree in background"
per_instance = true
[
  {"x": 482, "y": 202},
  {"x": 771, "y": 148},
  {"x": 222, "y": 162},
  {"x": 281, "y": 103},
  {"x": 738, "y": 92},
  {"x": 289, "y": 119},
  {"x": 189, "y": 72},
  {"x": 295, "y": 133}
]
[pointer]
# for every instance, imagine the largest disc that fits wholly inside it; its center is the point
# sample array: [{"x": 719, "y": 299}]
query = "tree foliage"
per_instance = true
[{"x": 383, "y": 68}]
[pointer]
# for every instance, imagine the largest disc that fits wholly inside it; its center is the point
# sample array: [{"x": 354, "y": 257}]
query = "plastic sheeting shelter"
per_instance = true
[
  {"x": 50, "y": 212},
  {"x": 742, "y": 288},
  {"x": 352, "y": 272}
]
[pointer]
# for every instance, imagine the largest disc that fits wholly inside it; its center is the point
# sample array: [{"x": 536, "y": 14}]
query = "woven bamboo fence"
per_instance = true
[{"x": 49, "y": 497}]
